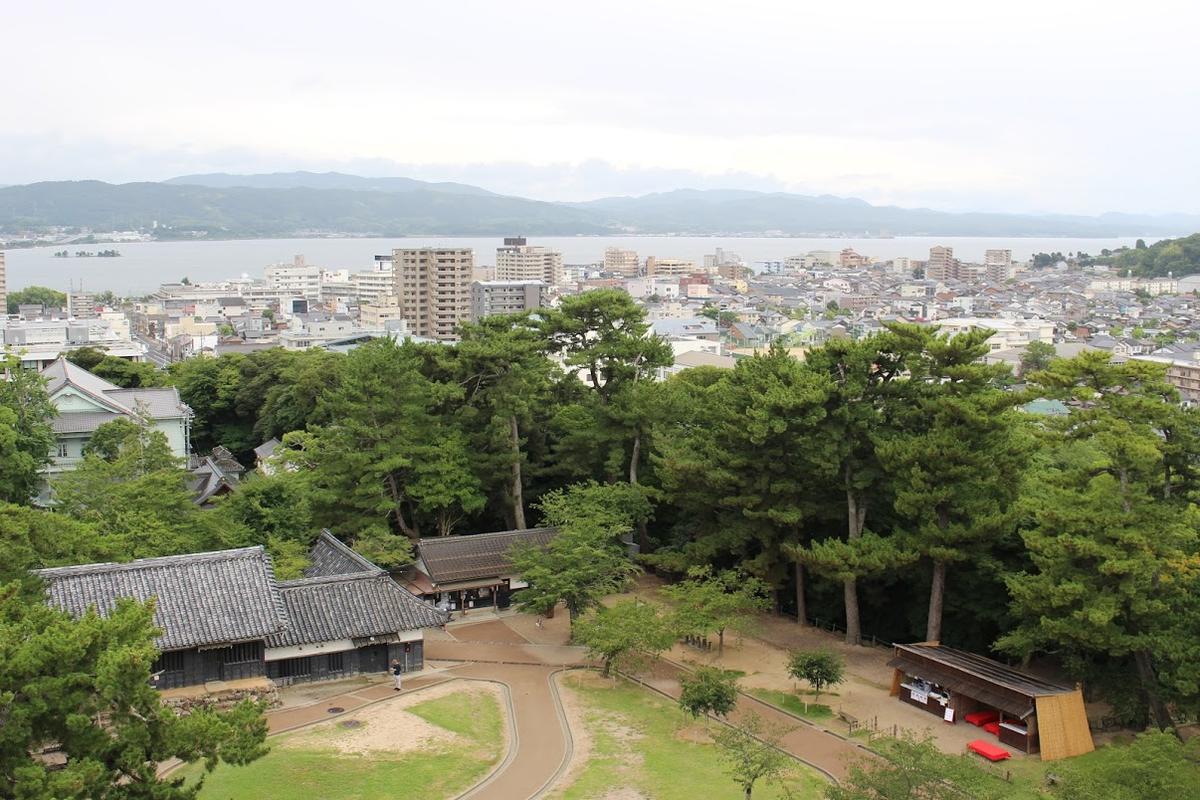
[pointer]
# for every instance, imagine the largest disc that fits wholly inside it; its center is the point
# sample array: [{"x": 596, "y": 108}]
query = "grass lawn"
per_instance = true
[
  {"x": 793, "y": 703},
  {"x": 314, "y": 771},
  {"x": 643, "y": 743}
]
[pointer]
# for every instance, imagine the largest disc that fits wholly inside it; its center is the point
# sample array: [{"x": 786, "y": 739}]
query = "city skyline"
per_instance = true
[{"x": 1048, "y": 108}]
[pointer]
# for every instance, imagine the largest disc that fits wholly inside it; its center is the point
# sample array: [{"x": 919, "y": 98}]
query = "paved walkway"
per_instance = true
[{"x": 540, "y": 740}]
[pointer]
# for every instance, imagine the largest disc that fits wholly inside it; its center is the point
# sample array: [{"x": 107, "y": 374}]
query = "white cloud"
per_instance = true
[{"x": 1063, "y": 105}]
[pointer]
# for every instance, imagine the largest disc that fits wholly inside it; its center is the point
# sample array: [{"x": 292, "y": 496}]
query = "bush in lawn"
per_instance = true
[{"x": 819, "y": 668}]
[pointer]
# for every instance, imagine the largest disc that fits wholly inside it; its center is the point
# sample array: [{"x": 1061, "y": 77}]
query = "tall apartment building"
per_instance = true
[
  {"x": 81, "y": 304},
  {"x": 489, "y": 298},
  {"x": 850, "y": 259},
  {"x": 519, "y": 261},
  {"x": 659, "y": 267},
  {"x": 621, "y": 262},
  {"x": 997, "y": 265},
  {"x": 297, "y": 278},
  {"x": 3, "y": 287},
  {"x": 942, "y": 265},
  {"x": 434, "y": 288}
]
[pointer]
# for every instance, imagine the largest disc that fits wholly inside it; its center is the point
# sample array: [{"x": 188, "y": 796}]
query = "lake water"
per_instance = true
[{"x": 143, "y": 266}]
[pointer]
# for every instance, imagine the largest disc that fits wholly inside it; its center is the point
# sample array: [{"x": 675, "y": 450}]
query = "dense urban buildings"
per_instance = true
[
  {"x": 3, "y": 287},
  {"x": 433, "y": 288}
]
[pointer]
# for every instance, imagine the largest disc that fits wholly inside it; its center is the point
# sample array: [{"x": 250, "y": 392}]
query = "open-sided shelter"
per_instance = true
[{"x": 1026, "y": 712}]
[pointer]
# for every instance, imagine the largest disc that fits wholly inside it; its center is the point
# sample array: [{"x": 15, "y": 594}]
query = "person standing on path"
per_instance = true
[{"x": 397, "y": 673}]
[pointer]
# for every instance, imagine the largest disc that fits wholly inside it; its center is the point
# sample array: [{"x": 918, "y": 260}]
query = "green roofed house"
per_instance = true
[{"x": 224, "y": 617}]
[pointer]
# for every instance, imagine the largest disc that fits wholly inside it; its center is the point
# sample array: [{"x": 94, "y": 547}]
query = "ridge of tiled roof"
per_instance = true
[
  {"x": 448, "y": 559},
  {"x": 202, "y": 599},
  {"x": 330, "y": 556},
  {"x": 332, "y": 607}
]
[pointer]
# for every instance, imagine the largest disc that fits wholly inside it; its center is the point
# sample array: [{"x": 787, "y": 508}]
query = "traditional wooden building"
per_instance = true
[
  {"x": 224, "y": 617},
  {"x": 464, "y": 572},
  {"x": 1020, "y": 710},
  {"x": 347, "y": 616}
]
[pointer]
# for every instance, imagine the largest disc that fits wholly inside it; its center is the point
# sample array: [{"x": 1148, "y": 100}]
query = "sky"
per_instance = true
[{"x": 1048, "y": 106}]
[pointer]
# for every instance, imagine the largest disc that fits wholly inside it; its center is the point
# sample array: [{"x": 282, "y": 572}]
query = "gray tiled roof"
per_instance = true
[
  {"x": 159, "y": 402},
  {"x": 449, "y": 559},
  {"x": 350, "y": 606},
  {"x": 330, "y": 556},
  {"x": 203, "y": 599},
  {"x": 82, "y": 421}
]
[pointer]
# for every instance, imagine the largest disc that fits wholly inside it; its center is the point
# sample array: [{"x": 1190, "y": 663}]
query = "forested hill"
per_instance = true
[
  {"x": 306, "y": 204},
  {"x": 1178, "y": 257}
]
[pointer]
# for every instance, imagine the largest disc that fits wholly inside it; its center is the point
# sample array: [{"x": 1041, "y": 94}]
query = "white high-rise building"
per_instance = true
[
  {"x": 518, "y": 261},
  {"x": 297, "y": 278}
]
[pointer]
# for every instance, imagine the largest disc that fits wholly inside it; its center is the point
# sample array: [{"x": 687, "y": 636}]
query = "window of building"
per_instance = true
[
  {"x": 335, "y": 662},
  {"x": 169, "y": 662},
  {"x": 62, "y": 450},
  {"x": 242, "y": 653},
  {"x": 295, "y": 667}
]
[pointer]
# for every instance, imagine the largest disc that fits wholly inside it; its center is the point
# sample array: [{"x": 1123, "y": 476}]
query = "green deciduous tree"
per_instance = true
[
  {"x": 708, "y": 690},
  {"x": 624, "y": 634},
  {"x": 1036, "y": 356},
  {"x": 138, "y": 501},
  {"x": 35, "y": 295},
  {"x": 25, "y": 433},
  {"x": 916, "y": 768},
  {"x": 708, "y": 603},
  {"x": 83, "y": 688},
  {"x": 581, "y": 565},
  {"x": 1154, "y": 765},
  {"x": 752, "y": 755},
  {"x": 821, "y": 669},
  {"x": 273, "y": 511}
]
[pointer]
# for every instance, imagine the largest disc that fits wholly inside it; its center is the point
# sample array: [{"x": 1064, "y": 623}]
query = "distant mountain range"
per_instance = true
[{"x": 306, "y": 203}]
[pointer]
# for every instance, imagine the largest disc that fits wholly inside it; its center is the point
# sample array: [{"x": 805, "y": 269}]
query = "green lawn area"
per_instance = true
[
  {"x": 793, "y": 703},
  {"x": 315, "y": 770},
  {"x": 644, "y": 743}
]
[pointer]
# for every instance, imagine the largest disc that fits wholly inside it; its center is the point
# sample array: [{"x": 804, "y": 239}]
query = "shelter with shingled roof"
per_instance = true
[
  {"x": 460, "y": 573},
  {"x": 1019, "y": 710}
]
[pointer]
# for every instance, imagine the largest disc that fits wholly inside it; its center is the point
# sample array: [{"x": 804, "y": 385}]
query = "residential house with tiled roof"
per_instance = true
[{"x": 85, "y": 402}]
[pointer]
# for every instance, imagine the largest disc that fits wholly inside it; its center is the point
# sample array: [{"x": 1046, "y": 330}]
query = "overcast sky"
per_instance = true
[{"x": 1022, "y": 106}]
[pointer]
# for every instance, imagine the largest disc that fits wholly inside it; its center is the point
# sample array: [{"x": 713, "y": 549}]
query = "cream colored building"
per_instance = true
[
  {"x": 297, "y": 278},
  {"x": 621, "y": 262},
  {"x": 373, "y": 284},
  {"x": 375, "y": 315},
  {"x": 434, "y": 289},
  {"x": 518, "y": 261},
  {"x": 661, "y": 267}
]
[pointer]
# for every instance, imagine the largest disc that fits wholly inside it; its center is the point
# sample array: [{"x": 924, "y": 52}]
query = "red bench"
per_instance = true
[
  {"x": 993, "y": 728},
  {"x": 981, "y": 718},
  {"x": 988, "y": 750}
]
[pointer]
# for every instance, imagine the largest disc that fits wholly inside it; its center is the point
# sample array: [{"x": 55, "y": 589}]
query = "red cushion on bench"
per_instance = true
[
  {"x": 988, "y": 750},
  {"x": 993, "y": 728},
  {"x": 981, "y": 718}
]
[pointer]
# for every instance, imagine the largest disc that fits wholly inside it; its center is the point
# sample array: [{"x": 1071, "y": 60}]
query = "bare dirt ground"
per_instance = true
[{"x": 386, "y": 727}]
